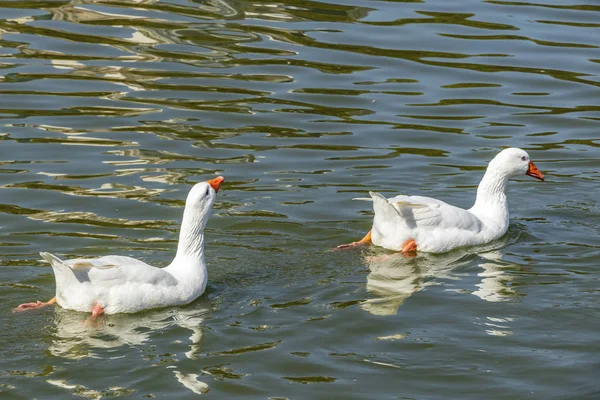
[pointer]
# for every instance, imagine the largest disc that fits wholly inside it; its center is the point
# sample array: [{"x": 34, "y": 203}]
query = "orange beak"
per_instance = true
[
  {"x": 534, "y": 171},
  {"x": 216, "y": 183}
]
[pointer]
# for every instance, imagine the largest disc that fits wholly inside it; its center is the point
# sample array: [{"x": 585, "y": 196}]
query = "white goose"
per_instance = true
[
  {"x": 411, "y": 223},
  {"x": 119, "y": 284}
]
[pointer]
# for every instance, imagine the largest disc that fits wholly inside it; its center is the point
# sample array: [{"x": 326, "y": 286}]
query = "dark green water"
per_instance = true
[{"x": 111, "y": 110}]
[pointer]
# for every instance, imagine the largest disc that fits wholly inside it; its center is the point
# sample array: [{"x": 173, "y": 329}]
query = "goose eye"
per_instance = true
[
  {"x": 207, "y": 191},
  {"x": 523, "y": 158}
]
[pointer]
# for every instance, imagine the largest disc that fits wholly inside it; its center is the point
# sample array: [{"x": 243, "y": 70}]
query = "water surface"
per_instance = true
[{"x": 110, "y": 111}]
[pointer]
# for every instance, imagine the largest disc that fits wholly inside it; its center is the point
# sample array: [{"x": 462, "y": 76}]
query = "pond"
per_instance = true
[{"x": 111, "y": 110}]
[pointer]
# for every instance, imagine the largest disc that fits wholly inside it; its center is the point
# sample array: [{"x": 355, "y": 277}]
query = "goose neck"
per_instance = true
[
  {"x": 492, "y": 186},
  {"x": 191, "y": 237}
]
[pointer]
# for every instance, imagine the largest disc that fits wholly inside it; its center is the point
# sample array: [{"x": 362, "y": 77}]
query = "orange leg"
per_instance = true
[
  {"x": 36, "y": 304},
  {"x": 97, "y": 311},
  {"x": 409, "y": 248},
  {"x": 361, "y": 242},
  {"x": 92, "y": 321}
]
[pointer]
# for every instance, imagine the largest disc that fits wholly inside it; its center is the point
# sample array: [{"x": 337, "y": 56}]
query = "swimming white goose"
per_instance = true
[
  {"x": 411, "y": 223},
  {"x": 119, "y": 284}
]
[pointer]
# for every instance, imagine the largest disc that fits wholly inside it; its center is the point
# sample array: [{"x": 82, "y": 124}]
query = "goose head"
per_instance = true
[
  {"x": 515, "y": 162},
  {"x": 202, "y": 197}
]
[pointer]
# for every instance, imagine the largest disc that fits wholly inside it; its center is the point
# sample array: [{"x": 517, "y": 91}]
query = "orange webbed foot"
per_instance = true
[
  {"x": 33, "y": 305},
  {"x": 362, "y": 242},
  {"x": 29, "y": 306},
  {"x": 349, "y": 245}
]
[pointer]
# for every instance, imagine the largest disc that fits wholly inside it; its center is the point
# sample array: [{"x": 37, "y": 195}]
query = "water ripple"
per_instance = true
[{"x": 111, "y": 110}]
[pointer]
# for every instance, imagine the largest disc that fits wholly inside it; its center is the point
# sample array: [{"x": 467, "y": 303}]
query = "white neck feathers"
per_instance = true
[
  {"x": 491, "y": 206},
  {"x": 189, "y": 260}
]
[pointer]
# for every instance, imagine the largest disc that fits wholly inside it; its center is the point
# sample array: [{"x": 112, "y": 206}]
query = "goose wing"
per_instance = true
[
  {"x": 112, "y": 270},
  {"x": 421, "y": 211}
]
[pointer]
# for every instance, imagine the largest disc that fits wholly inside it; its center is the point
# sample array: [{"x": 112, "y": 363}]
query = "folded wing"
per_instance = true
[
  {"x": 111, "y": 270},
  {"x": 426, "y": 212}
]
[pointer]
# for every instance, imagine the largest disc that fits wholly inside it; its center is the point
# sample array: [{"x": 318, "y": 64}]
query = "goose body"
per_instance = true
[
  {"x": 435, "y": 226},
  {"x": 411, "y": 223},
  {"x": 119, "y": 284},
  {"x": 122, "y": 284}
]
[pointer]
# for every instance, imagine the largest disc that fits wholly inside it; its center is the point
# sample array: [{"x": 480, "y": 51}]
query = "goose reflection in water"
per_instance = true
[
  {"x": 76, "y": 338},
  {"x": 393, "y": 278},
  {"x": 494, "y": 285}
]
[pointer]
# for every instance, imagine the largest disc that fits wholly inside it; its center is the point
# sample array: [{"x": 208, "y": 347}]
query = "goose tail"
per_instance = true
[
  {"x": 52, "y": 259},
  {"x": 384, "y": 211},
  {"x": 390, "y": 229}
]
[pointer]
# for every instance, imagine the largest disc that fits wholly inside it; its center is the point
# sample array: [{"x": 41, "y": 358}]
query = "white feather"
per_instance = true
[
  {"x": 123, "y": 284},
  {"x": 438, "y": 227}
]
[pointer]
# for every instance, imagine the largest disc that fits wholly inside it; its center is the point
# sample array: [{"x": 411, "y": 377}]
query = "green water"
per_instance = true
[{"x": 111, "y": 110}]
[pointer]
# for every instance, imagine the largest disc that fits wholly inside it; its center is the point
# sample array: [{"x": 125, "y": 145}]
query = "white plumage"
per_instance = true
[
  {"x": 438, "y": 227},
  {"x": 120, "y": 284},
  {"x": 435, "y": 226}
]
